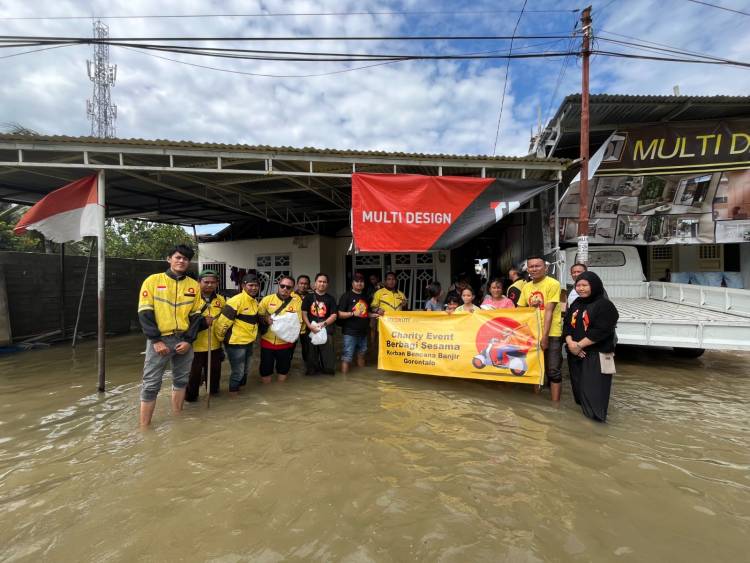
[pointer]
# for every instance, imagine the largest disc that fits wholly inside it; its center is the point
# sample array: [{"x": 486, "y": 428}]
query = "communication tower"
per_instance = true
[{"x": 100, "y": 109}]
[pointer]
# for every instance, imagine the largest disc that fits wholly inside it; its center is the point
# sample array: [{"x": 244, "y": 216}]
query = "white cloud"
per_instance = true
[{"x": 444, "y": 106}]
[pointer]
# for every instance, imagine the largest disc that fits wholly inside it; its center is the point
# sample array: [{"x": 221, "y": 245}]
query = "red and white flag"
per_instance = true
[{"x": 67, "y": 214}]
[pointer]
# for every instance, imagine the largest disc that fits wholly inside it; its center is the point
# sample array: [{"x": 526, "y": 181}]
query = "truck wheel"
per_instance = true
[{"x": 688, "y": 352}]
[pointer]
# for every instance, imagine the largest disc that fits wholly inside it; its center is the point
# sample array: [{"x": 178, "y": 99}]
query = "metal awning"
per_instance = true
[
  {"x": 288, "y": 190},
  {"x": 608, "y": 112}
]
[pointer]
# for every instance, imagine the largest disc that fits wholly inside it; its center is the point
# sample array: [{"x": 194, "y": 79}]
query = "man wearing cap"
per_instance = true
[
  {"x": 354, "y": 312},
  {"x": 237, "y": 326},
  {"x": 275, "y": 352},
  {"x": 169, "y": 312},
  {"x": 213, "y": 303}
]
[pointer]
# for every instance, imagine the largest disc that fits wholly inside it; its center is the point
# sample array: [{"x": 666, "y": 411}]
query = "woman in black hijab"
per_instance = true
[{"x": 589, "y": 329}]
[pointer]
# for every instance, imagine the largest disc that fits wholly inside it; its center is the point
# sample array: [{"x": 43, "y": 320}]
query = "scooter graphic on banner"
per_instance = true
[{"x": 502, "y": 353}]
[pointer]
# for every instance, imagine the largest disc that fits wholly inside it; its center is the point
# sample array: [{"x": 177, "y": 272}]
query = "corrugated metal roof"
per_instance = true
[
  {"x": 609, "y": 112},
  {"x": 345, "y": 153},
  {"x": 618, "y": 109}
]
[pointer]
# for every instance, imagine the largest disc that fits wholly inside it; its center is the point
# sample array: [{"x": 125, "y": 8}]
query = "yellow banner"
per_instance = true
[{"x": 497, "y": 345}]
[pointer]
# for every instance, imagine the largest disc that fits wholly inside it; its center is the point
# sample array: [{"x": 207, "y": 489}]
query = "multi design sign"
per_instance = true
[
  {"x": 498, "y": 345},
  {"x": 413, "y": 213},
  {"x": 677, "y": 183}
]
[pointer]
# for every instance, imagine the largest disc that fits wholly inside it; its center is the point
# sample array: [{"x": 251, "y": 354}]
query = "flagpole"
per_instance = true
[{"x": 100, "y": 272}]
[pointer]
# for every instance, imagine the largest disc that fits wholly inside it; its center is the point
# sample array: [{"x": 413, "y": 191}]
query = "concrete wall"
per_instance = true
[
  {"x": 33, "y": 292},
  {"x": 745, "y": 263},
  {"x": 243, "y": 253},
  {"x": 5, "y": 331}
]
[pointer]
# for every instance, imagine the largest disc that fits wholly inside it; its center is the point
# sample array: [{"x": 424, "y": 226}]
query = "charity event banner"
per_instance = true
[
  {"x": 668, "y": 184},
  {"x": 414, "y": 213},
  {"x": 494, "y": 345}
]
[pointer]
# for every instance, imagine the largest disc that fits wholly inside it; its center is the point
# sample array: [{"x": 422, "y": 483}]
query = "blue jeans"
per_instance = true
[
  {"x": 239, "y": 362},
  {"x": 353, "y": 346}
]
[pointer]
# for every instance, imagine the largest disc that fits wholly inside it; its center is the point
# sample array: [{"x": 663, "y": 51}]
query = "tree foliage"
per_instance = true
[
  {"x": 125, "y": 238},
  {"x": 130, "y": 238}
]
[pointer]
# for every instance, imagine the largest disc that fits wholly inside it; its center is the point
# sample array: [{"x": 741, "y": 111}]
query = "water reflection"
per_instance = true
[{"x": 374, "y": 467}]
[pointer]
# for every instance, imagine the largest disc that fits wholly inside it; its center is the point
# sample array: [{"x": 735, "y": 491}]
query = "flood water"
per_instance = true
[{"x": 374, "y": 466}]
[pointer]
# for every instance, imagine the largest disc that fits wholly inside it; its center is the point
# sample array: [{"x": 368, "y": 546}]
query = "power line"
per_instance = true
[
  {"x": 720, "y": 7},
  {"x": 12, "y": 38},
  {"x": 505, "y": 82},
  {"x": 561, "y": 74},
  {"x": 292, "y": 14},
  {"x": 315, "y": 75}
]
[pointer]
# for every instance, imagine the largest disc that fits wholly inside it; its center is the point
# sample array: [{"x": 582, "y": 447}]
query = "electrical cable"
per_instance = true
[
  {"x": 720, "y": 7},
  {"x": 290, "y": 14}
]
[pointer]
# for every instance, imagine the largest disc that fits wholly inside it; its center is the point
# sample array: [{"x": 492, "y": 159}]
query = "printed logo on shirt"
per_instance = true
[
  {"x": 191, "y": 290},
  {"x": 145, "y": 293},
  {"x": 161, "y": 287},
  {"x": 536, "y": 299},
  {"x": 360, "y": 308},
  {"x": 318, "y": 309}
]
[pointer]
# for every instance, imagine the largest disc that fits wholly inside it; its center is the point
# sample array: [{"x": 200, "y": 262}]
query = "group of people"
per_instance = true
[{"x": 189, "y": 324}]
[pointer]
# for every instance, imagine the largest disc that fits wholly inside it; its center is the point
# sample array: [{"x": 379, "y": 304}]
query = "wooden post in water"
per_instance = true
[{"x": 100, "y": 277}]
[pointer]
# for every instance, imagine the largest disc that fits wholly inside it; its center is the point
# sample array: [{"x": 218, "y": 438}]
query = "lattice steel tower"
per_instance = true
[{"x": 100, "y": 109}]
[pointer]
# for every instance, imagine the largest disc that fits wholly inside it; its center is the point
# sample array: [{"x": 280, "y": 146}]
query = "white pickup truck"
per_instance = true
[{"x": 688, "y": 318}]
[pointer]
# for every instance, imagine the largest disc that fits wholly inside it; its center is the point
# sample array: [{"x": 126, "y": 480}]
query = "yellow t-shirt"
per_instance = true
[{"x": 543, "y": 294}]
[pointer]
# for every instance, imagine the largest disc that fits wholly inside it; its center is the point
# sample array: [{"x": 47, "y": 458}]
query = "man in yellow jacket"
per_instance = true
[
  {"x": 168, "y": 310},
  {"x": 237, "y": 326},
  {"x": 213, "y": 303},
  {"x": 276, "y": 353}
]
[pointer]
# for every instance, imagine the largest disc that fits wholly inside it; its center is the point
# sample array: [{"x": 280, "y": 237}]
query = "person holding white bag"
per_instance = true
[
  {"x": 281, "y": 313},
  {"x": 319, "y": 313}
]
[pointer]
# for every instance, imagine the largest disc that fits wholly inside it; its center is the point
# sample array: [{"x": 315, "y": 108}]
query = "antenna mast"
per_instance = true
[{"x": 100, "y": 109}]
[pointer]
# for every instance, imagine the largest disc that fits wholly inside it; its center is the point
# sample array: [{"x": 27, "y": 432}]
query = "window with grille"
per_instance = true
[
  {"x": 661, "y": 252},
  {"x": 708, "y": 251},
  {"x": 271, "y": 268}
]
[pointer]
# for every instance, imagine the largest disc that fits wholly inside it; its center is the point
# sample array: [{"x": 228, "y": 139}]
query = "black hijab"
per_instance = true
[
  {"x": 601, "y": 316},
  {"x": 597, "y": 287}
]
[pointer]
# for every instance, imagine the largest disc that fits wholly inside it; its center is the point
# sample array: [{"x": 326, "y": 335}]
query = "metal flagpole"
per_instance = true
[{"x": 100, "y": 272}]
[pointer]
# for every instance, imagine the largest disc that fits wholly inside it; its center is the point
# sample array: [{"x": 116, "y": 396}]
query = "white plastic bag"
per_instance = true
[
  {"x": 320, "y": 337},
  {"x": 286, "y": 327}
]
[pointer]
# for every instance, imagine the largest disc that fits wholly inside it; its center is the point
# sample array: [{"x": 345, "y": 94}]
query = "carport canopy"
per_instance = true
[{"x": 270, "y": 191}]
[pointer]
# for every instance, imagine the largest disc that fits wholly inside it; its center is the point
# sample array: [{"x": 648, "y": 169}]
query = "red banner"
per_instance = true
[{"x": 412, "y": 213}]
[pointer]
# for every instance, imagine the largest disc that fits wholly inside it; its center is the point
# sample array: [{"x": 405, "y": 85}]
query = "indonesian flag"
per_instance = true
[{"x": 67, "y": 214}]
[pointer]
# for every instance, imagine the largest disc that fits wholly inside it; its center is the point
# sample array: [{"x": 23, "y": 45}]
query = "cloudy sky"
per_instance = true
[{"x": 422, "y": 106}]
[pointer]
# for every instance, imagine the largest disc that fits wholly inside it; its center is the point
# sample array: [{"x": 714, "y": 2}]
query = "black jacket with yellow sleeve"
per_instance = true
[{"x": 170, "y": 304}]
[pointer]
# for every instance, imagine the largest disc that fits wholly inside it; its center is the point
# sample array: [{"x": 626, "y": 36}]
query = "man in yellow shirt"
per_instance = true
[
  {"x": 213, "y": 303},
  {"x": 543, "y": 292},
  {"x": 168, "y": 310},
  {"x": 274, "y": 351},
  {"x": 238, "y": 327}
]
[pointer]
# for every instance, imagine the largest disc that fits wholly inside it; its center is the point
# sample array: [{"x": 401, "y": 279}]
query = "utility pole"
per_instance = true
[
  {"x": 583, "y": 215},
  {"x": 100, "y": 109}
]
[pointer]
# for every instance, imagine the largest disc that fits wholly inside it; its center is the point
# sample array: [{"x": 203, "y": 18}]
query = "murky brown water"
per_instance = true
[{"x": 374, "y": 467}]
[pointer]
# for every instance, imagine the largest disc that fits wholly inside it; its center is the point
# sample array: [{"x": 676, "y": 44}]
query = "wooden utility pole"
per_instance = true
[{"x": 583, "y": 215}]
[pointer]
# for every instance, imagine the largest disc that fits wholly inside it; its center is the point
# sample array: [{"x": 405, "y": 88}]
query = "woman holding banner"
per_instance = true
[{"x": 589, "y": 333}]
